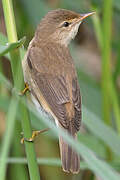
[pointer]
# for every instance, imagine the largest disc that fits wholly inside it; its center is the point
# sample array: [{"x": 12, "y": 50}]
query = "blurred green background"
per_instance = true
[{"x": 96, "y": 53}]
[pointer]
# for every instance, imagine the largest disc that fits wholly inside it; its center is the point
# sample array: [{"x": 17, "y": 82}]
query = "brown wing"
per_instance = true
[
  {"x": 55, "y": 90},
  {"x": 77, "y": 103},
  {"x": 56, "y": 95}
]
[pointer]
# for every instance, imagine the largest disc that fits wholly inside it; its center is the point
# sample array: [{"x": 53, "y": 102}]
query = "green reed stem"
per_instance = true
[
  {"x": 111, "y": 87},
  {"x": 18, "y": 83},
  {"x": 106, "y": 57}
]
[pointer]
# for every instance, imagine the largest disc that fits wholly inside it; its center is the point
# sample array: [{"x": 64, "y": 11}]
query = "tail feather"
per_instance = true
[{"x": 70, "y": 159}]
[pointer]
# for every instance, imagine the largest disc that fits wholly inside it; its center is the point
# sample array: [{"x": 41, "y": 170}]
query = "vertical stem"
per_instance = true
[
  {"x": 18, "y": 83},
  {"x": 17, "y": 171},
  {"x": 106, "y": 56},
  {"x": 1, "y": 71},
  {"x": 98, "y": 29},
  {"x": 112, "y": 90},
  {"x": 10, "y": 20},
  {"x": 10, "y": 122},
  {"x": 106, "y": 71},
  {"x": 117, "y": 67},
  {"x": 116, "y": 107}
]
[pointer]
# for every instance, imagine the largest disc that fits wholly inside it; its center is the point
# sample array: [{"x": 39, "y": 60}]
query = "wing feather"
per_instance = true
[
  {"x": 55, "y": 94},
  {"x": 77, "y": 103}
]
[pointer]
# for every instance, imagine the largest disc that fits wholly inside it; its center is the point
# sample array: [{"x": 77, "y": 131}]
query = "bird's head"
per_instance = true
[{"x": 60, "y": 25}]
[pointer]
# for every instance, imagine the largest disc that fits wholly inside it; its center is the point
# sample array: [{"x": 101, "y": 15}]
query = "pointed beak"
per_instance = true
[{"x": 83, "y": 16}]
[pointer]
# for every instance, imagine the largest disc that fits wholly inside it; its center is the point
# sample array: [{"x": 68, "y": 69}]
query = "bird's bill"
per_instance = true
[{"x": 83, "y": 16}]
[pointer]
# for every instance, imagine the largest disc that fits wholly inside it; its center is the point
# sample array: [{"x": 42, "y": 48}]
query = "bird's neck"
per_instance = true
[{"x": 41, "y": 42}]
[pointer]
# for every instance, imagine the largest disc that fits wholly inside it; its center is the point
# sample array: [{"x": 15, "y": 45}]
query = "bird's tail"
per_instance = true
[{"x": 70, "y": 159}]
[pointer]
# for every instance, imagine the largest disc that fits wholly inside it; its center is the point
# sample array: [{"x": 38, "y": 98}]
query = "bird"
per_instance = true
[{"x": 51, "y": 77}]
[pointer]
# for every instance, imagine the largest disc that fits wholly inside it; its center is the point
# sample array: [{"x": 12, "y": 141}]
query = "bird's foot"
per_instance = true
[
  {"x": 34, "y": 134},
  {"x": 25, "y": 89}
]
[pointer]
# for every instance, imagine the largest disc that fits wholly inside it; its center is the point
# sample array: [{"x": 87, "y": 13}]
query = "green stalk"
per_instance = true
[
  {"x": 117, "y": 66},
  {"x": 106, "y": 56},
  {"x": 109, "y": 91},
  {"x": 18, "y": 83},
  {"x": 98, "y": 29},
  {"x": 17, "y": 171},
  {"x": 106, "y": 71},
  {"x": 10, "y": 20},
  {"x": 116, "y": 108},
  {"x": 1, "y": 71},
  {"x": 3, "y": 91},
  {"x": 10, "y": 122},
  {"x": 112, "y": 89}
]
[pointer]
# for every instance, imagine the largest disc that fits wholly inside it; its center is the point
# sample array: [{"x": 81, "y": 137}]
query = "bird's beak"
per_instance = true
[{"x": 83, "y": 16}]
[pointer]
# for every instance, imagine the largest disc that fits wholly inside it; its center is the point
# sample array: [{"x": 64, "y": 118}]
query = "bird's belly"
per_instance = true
[
  {"x": 40, "y": 109},
  {"x": 44, "y": 113}
]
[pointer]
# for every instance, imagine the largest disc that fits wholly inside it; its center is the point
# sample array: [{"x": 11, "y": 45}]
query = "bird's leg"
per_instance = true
[
  {"x": 34, "y": 134},
  {"x": 25, "y": 89}
]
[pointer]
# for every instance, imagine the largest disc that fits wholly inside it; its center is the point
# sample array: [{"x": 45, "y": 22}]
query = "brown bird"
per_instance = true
[{"x": 52, "y": 79}]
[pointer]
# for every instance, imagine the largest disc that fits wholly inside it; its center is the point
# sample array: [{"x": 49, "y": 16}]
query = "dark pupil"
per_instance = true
[{"x": 66, "y": 24}]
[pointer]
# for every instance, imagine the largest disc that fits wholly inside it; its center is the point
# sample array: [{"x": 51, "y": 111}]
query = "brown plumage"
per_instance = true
[{"x": 50, "y": 72}]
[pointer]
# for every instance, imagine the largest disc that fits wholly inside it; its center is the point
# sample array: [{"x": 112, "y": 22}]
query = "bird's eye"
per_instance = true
[{"x": 66, "y": 24}]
